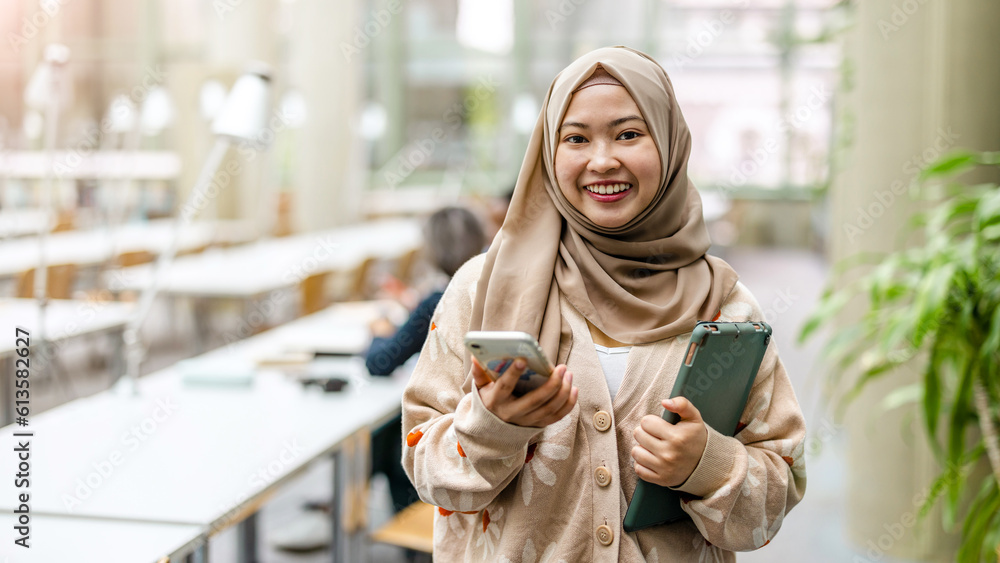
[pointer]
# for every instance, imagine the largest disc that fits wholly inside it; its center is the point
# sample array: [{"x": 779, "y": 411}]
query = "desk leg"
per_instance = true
[
  {"x": 117, "y": 363},
  {"x": 246, "y": 540},
  {"x": 336, "y": 509},
  {"x": 201, "y": 309},
  {"x": 200, "y": 555},
  {"x": 359, "y": 501}
]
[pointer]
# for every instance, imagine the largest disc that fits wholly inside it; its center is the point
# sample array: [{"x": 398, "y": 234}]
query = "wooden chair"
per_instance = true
[
  {"x": 359, "y": 282},
  {"x": 134, "y": 258},
  {"x": 191, "y": 251},
  {"x": 412, "y": 528},
  {"x": 283, "y": 220},
  {"x": 405, "y": 265},
  {"x": 65, "y": 221},
  {"x": 59, "y": 280},
  {"x": 312, "y": 291}
]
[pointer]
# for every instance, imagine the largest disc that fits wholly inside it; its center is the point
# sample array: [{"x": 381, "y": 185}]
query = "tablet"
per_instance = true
[{"x": 719, "y": 369}]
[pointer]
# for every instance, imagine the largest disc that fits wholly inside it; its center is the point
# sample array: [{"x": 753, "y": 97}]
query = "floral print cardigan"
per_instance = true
[{"x": 519, "y": 494}]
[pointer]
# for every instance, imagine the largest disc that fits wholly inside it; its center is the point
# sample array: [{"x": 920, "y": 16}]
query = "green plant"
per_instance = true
[{"x": 937, "y": 305}]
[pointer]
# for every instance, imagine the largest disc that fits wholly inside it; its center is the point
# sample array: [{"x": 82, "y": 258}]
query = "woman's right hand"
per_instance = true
[{"x": 537, "y": 408}]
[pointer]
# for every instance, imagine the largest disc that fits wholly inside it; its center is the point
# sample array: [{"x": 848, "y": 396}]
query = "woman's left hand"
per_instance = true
[{"x": 666, "y": 453}]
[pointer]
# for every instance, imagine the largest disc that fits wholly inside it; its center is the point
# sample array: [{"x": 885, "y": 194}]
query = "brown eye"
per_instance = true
[{"x": 629, "y": 135}]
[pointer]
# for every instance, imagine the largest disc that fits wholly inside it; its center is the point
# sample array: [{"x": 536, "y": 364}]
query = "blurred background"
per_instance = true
[{"x": 809, "y": 118}]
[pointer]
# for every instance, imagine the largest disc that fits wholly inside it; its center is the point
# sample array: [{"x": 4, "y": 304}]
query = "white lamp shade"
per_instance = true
[
  {"x": 122, "y": 114},
  {"x": 373, "y": 121},
  {"x": 244, "y": 115},
  {"x": 210, "y": 99},
  {"x": 488, "y": 26},
  {"x": 157, "y": 111},
  {"x": 32, "y": 124},
  {"x": 525, "y": 113},
  {"x": 48, "y": 84}
]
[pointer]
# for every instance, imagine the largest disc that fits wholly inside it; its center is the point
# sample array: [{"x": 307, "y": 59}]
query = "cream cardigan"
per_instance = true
[{"x": 518, "y": 494}]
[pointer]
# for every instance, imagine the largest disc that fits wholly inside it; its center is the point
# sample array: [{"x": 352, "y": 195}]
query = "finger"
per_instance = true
[
  {"x": 556, "y": 409},
  {"x": 479, "y": 376},
  {"x": 683, "y": 407},
  {"x": 570, "y": 403},
  {"x": 548, "y": 410},
  {"x": 644, "y": 457},
  {"x": 509, "y": 378},
  {"x": 537, "y": 398},
  {"x": 645, "y": 473},
  {"x": 656, "y": 428}
]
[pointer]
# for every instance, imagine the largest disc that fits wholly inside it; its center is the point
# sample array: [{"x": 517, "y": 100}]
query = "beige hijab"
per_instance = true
[{"x": 647, "y": 280}]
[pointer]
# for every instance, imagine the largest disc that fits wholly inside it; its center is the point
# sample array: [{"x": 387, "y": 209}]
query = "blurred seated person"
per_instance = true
[{"x": 452, "y": 235}]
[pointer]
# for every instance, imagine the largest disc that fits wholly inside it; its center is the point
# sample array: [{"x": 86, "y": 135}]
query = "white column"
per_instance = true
[{"x": 326, "y": 67}]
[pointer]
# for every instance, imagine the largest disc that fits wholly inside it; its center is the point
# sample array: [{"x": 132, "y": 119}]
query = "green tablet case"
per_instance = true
[{"x": 719, "y": 369}]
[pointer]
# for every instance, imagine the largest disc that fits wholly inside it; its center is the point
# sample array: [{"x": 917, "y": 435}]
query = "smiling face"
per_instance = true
[{"x": 606, "y": 162}]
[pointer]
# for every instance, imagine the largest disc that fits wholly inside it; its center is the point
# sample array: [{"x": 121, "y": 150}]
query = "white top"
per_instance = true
[{"x": 613, "y": 361}]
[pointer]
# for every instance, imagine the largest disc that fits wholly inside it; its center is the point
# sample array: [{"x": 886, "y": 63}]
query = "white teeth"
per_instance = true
[{"x": 609, "y": 189}]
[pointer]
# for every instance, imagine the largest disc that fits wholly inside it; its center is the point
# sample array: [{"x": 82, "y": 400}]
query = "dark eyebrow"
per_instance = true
[{"x": 611, "y": 124}]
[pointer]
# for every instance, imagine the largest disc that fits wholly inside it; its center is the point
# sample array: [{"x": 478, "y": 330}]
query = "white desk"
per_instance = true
[
  {"x": 92, "y": 247},
  {"x": 206, "y": 456},
  {"x": 144, "y": 165},
  {"x": 253, "y": 270},
  {"x": 86, "y": 540},
  {"x": 64, "y": 319},
  {"x": 23, "y": 222}
]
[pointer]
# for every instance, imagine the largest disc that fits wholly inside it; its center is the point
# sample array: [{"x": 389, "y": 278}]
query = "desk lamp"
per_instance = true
[
  {"x": 243, "y": 119},
  {"x": 49, "y": 91}
]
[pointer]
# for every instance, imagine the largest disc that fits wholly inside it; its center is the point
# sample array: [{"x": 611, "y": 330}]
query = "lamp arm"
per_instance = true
[{"x": 133, "y": 344}]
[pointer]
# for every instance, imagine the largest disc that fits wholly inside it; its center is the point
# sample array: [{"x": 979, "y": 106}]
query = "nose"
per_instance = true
[{"x": 602, "y": 159}]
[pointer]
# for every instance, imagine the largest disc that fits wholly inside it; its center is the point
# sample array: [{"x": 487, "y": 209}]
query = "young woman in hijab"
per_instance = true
[{"x": 602, "y": 252}]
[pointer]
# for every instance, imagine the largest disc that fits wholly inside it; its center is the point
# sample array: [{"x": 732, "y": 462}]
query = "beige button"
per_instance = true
[
  {"x": 605, "y": 535},
  {"x": 603, "y": 476},
  {"x": 602, "y": 421}
]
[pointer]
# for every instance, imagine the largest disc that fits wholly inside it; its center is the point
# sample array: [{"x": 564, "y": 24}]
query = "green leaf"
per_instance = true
[
  {"x": 830, "y": 304},
  {"x": 992, "y": 343},
  {"x": 903, "y": 396},
  {"x": 951, "y": 163},
  {"x": 960, "y": 416},
  {"x": 984, "y": 507},
  {"x": 932, "y": 400}
]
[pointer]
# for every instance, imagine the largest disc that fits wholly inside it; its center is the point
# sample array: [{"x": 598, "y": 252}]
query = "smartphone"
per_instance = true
[{"x": 497, "y": 350}]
